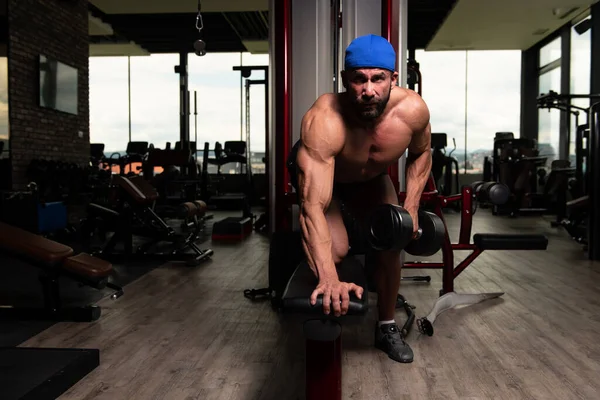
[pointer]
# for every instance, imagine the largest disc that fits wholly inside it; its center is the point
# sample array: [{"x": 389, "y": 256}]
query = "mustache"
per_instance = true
[{"x": 368, "y": 103}]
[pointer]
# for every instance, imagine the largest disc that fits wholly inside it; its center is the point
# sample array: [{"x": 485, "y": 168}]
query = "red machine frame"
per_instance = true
[{"x": 431, "y": 198}]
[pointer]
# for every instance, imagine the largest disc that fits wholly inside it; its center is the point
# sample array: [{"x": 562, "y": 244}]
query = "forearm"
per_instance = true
[
  {"x": 418, "y": 169},
  {"x": 316, "y": 239}
]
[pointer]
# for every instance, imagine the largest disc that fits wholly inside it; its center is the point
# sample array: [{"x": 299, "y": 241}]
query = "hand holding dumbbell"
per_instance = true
[{"x": 391, "y": 227}]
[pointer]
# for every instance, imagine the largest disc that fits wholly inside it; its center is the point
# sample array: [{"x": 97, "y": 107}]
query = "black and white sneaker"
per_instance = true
[{"x": 389, "y": 340}]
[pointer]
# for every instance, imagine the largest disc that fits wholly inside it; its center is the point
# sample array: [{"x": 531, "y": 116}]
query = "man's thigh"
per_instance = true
[{"x": 357, "y": 201}]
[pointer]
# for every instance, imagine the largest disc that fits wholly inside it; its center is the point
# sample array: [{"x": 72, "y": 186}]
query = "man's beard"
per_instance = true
[{"x": 370, "y": 111}]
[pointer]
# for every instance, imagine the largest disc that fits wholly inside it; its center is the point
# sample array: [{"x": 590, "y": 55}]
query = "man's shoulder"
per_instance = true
[
  {"x": 326, "y": 106},
  {"x": 409, "y": 106},
  {"x": 322, "y": 126}
]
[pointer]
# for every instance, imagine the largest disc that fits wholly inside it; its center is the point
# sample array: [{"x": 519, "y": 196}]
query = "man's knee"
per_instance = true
[{"x": 339, "y": 249}]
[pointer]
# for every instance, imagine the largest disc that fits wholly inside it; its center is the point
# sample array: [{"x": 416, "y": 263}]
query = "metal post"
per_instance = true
[
  {"x": 184, "y": 124},
  {"x": 281, "y": 62},
  {"x": 594, "y": 177},
  {"x": 241, "y": 100},
  {"x": 394, "y": 28},
  {"x": 335, "y": 25},
  {"x": 129, "y": 91}
]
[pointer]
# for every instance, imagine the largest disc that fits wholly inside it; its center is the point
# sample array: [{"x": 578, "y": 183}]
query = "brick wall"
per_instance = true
[{"x": 56, "y": 29}]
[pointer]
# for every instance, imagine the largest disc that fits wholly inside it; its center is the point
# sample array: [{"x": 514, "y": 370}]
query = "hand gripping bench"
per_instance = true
[
  {"x": 55, "y": 260},
  {"x": 322, "y": 332}
]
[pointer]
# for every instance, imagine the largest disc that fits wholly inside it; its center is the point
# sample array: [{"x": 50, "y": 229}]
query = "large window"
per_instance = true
[
  {"x": 550, "y": 52},
  {"x": 220, "y": 100},
  {"x": 155, "y": 99},
  {"x": 471, "y": 96},
  {"x": 109, "y": 103},
  {"x": 217, "y": 88},
  {"x": 580, "y": 76},
  {"x": 493, "y": 102},
  {"x": 549, "y": 119}
]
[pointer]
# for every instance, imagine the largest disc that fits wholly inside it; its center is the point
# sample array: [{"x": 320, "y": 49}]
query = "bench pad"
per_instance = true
[
  {"x": 500, "y": 241},
  {"x": 85, "y": 265},
  {"x": 31, "y": 246},
  {"x": 296, "y": 297}
]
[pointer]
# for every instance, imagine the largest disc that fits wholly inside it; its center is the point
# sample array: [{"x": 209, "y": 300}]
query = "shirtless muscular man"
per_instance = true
[{"x": 348, "y": 141}]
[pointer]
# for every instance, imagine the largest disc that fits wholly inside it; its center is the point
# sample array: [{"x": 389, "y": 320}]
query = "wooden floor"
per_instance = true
[{"x": 181, "y": 333}]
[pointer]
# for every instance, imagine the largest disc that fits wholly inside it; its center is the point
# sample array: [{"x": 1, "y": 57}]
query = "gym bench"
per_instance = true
[
  {"x": 431, "y": 199},
  {"x": 323, "y": 333},
  {"x": 135, "y": 216},
  {"x": 55, "y": 260},
  {"x": 323, "y": 346}
]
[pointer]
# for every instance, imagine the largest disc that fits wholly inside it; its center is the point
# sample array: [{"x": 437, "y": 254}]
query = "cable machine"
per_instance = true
[{"x": 246, "y": 72}]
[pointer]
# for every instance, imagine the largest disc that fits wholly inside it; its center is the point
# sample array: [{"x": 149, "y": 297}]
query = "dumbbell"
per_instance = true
[
  {"x": 492, "y": 192},
  {"x": 390, "y": 227}
]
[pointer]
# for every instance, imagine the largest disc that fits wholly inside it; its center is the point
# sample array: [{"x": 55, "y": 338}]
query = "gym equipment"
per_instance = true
[
  {"x": 232, "y": 152},
  {"x": 587, "y": 173},
  {"x": 493, "y": 193},
  {"x": 391, "y": 227},
  {"x": 323, "y": 333},
  {"x": 96, "y": 154},
  {"x": 55, "y": 260},
  {"x": 430, "y": 237},
  {"x": 43, "y": 373},
  {"x": 135, "y": 153},
  {"x": 448, "y": 301},
  {"x": 179, "y": 180},
  {"x": 25, "y": 210},
  {"x": 414, "y": 76},
  {"x": 232, "y": 228},
  {"x": 199, "y": 44},
  {"x": 515, "y": 163},
  {"x": 133, "y": 216},
  {"x": 444, "y": 165}
]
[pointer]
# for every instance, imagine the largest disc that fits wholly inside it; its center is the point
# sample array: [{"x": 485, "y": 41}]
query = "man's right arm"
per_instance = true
[{"x": 321, "y": 140}]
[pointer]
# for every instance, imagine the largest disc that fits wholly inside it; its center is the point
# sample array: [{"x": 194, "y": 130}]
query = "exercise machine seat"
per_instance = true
[
  {"x": 86, "y": 265},
  {"x": 145, "y": 187},
  {"x": 32, "y": 246},
  {"x": 499, "y": 241},
  {"x": 296, "y": 297},
  {"x": 136, "y": 194}
]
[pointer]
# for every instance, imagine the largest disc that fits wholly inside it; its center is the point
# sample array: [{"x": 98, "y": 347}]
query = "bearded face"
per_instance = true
[{"x": 368, "y": 91}]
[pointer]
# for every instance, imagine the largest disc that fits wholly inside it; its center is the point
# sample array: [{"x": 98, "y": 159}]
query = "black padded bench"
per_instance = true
[
  {"x": 499, "y": 241},
  {"x": 55, "y": 260},
  {"x": 323, "y": 332}
]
